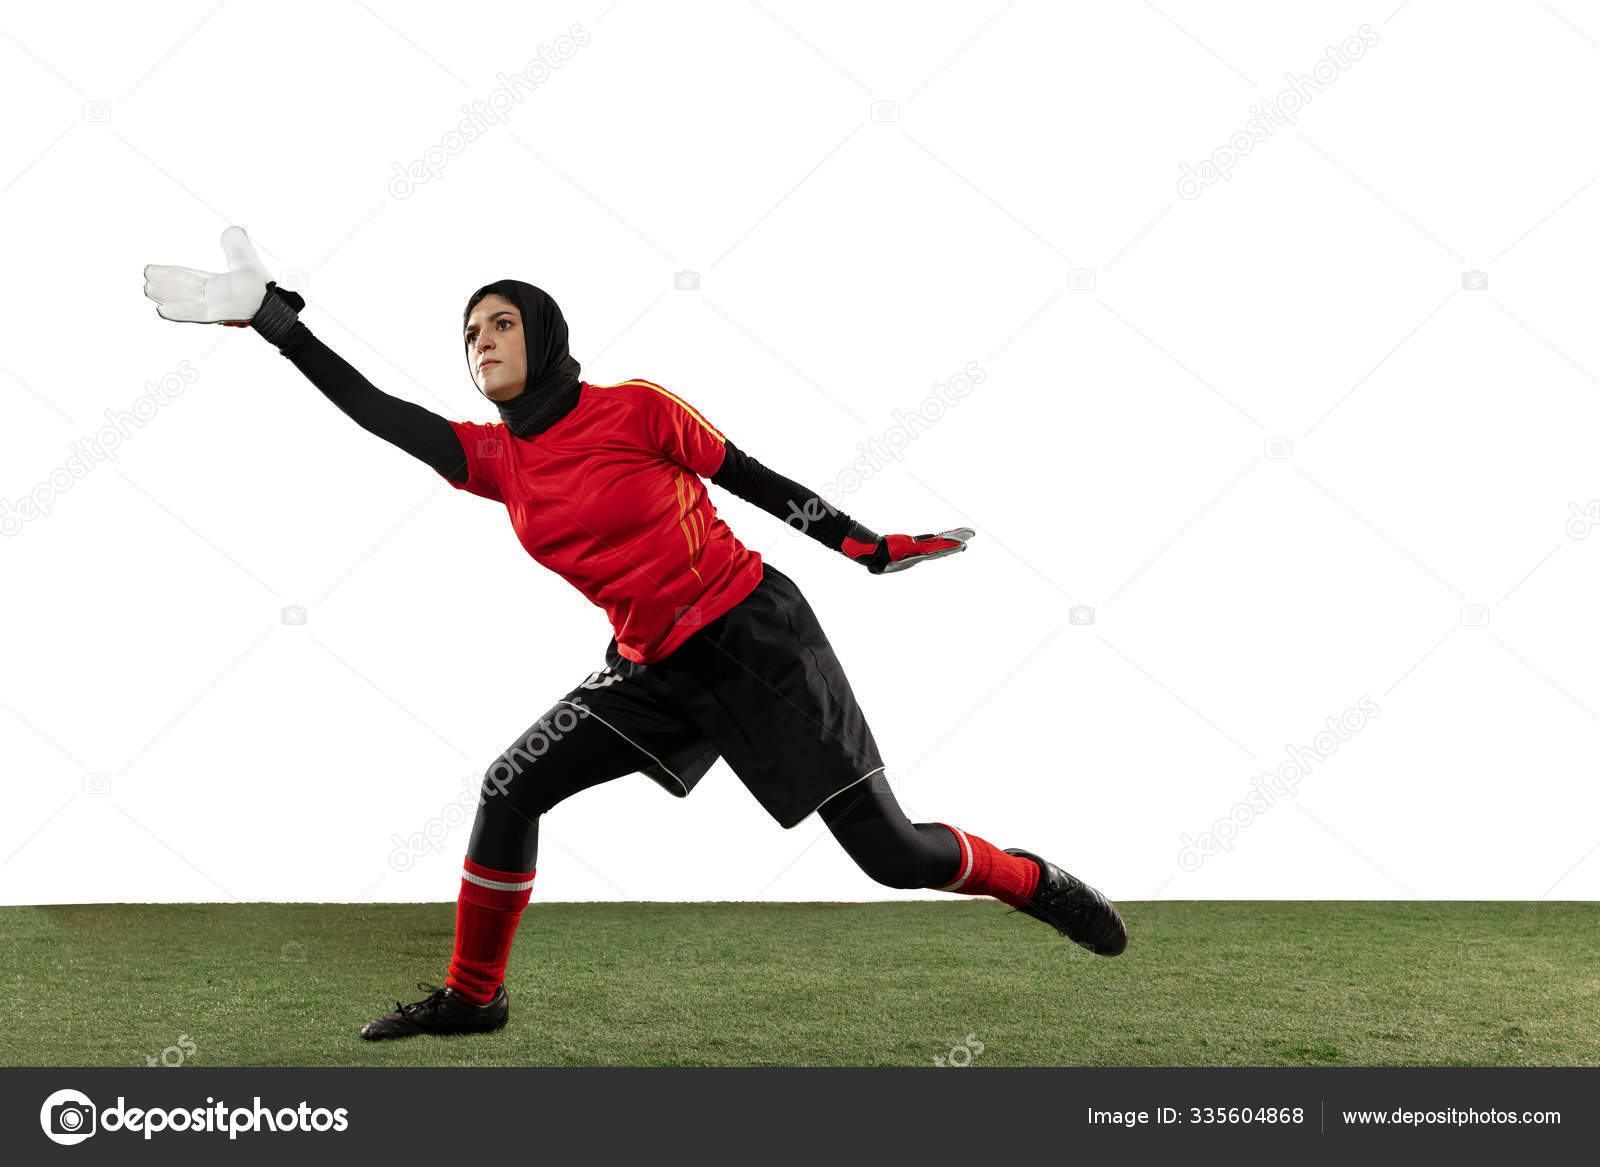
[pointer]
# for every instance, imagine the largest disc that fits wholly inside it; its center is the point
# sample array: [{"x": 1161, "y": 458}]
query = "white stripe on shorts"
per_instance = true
[
  {"x": 847, "y": 786},
  {"x": 665, "y": 769}
]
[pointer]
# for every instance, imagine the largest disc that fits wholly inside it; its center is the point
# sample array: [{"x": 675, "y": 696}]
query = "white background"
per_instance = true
[{"x": 1148, "y": 359}]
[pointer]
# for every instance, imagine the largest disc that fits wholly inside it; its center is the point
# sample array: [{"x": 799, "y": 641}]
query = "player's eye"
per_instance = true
[{"x": 472, "y": 334}]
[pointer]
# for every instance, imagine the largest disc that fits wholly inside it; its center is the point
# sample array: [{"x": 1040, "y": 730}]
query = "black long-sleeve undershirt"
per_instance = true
[
  {"x": 803, "y": 509},
  {"x": 427, "y": 436},
  {"x": 418, "y": 431}
]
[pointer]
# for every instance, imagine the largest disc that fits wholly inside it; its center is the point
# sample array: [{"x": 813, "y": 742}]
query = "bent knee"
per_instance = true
[{"x": 519, "y": 794}]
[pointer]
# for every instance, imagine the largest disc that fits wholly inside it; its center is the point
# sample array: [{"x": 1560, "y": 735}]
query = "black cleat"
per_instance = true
[
  {"x": 443, "y": 1011},
  {"x": 1074, "y": 909}
]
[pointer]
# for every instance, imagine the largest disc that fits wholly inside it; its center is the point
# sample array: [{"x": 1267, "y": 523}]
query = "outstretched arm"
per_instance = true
[
  {"x": 244, "y": 295},
  {"x": 419, "y": 432},
  {"x": 804, "y": 510},
  {"x": 809, "y": 512}
]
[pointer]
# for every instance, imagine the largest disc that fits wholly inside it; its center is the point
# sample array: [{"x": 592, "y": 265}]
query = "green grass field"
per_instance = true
[{"x": 1269, "y": 983}]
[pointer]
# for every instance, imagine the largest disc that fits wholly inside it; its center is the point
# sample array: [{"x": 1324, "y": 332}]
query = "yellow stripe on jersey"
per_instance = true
[
  {"x": 671, "y": 396},
  {"x": 686, "y": 518}
]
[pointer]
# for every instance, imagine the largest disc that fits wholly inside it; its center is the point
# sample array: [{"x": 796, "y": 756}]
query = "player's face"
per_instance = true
[{"x": 494, "y": 335}]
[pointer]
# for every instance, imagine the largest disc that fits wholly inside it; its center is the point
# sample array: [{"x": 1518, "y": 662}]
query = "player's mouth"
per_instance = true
[{"x": 482, "y": 365}]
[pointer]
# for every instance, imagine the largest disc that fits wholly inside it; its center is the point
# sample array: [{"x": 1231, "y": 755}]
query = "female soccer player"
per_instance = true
[{"x": 715, "y": 653}]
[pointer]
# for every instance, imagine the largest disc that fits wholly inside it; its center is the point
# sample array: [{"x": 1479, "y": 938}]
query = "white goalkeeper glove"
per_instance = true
[{"x": 235, "y": 296}]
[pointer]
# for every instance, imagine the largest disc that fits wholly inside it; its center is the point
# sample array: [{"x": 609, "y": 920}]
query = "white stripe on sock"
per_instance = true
[
  {"x": 496, "y": 884},
  {"x": 966, "y": 850}
]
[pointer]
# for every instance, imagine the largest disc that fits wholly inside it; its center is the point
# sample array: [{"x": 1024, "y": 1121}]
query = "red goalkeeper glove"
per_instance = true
[{"x": 898, "y": 552}]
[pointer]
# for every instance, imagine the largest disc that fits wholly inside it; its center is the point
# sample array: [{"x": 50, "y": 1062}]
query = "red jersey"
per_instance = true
[{"x": 610, "y": 498}]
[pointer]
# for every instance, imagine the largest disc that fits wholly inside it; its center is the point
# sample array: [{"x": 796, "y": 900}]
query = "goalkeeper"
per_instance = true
[{"x": 714, "y": 654}]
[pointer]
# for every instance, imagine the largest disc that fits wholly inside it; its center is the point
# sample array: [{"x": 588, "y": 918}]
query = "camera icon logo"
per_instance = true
[
  {"x": 97, "y": 111},
  {"x": 885, "y": 111},
  {"x": 97, "y": 783},
  {"x": 1475, "y": 616},
  {"x": 1080, "y": 614},
  {"x": 67, "y": 1117},
  {"x": 1475, "y": 281},
  {"x": 686, "y": 281},
  {"x": 1278, "y": 449},
  {"x": 294, "y": 614},
  {"x": 292, "y": 280},
  {"x": 1081, "y": 279},
  {"x": 490, "y": 447},
  {"x": 292, "y": 953}
]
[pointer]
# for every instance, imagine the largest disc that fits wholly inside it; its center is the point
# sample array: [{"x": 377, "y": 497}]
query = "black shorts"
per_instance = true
[{"x": 758, "y": 686}]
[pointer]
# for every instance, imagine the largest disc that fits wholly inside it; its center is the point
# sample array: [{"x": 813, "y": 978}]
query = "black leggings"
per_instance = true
[{"x": 865, "y": 818}]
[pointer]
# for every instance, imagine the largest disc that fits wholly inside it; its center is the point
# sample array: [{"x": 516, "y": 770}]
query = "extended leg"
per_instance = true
[
  {"x": 875, "y": 832},
  {"x": 867, "y": 821}
]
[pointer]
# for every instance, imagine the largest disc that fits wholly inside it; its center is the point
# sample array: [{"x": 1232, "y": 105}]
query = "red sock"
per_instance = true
[
  {"x": 988, "y": 871},
  {"x": 487, "y": 912}
]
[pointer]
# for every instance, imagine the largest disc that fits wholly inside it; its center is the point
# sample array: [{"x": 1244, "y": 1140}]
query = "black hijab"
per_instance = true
[{"x": 551, "y": 389}]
